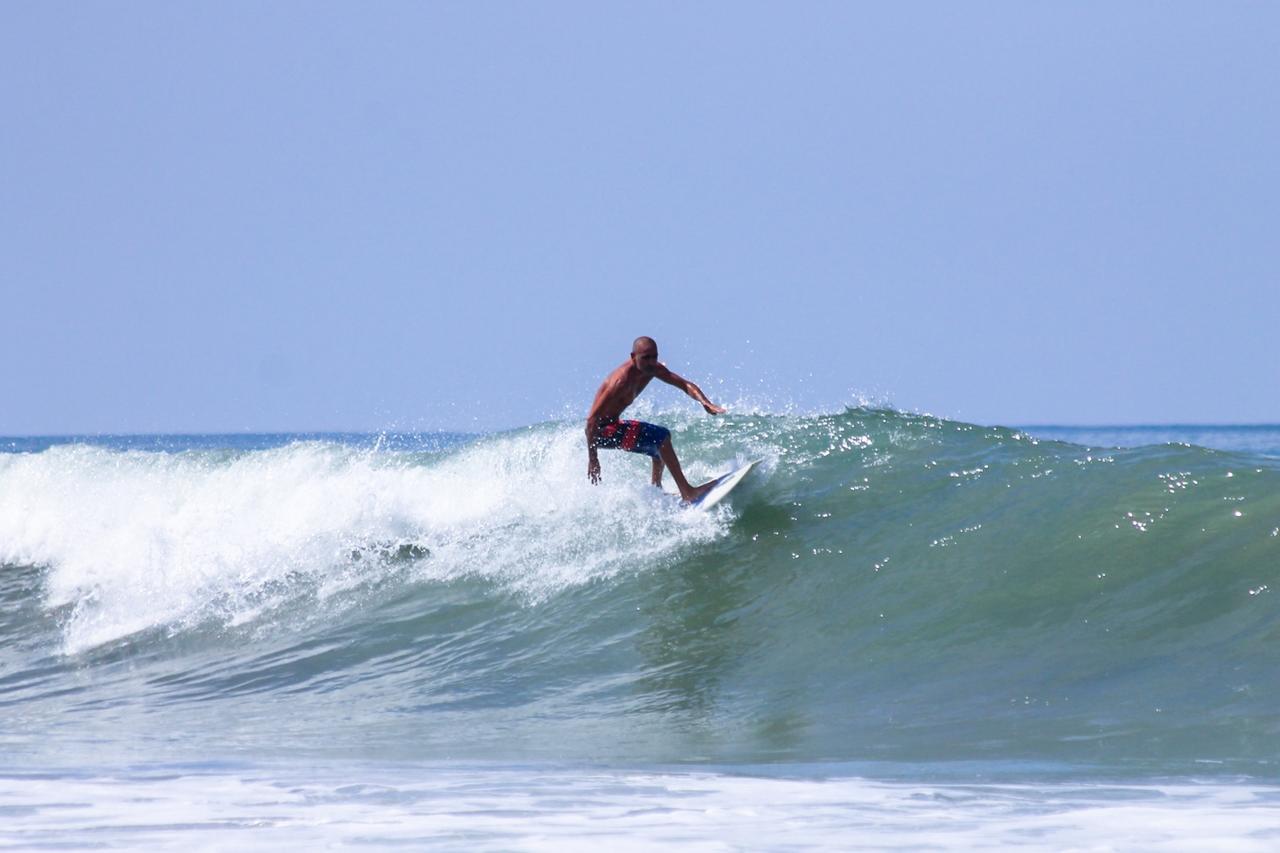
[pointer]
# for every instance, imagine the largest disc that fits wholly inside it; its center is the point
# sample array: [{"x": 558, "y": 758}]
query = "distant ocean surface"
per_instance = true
[{"x": 901, "y": 632}]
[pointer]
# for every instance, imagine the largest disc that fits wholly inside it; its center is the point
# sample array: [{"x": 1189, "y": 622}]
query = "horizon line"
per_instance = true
[{"x": 456, "y": 432}]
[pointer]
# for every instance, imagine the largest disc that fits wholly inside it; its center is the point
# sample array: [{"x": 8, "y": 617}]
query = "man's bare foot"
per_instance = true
[{"x": 698, "y": 492}]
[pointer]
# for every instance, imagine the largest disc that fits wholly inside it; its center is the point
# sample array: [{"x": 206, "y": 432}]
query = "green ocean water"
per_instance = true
[{"x": 888, "y": 588}]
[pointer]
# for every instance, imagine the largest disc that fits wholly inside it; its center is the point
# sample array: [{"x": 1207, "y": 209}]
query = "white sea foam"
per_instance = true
[
  {"x": 133, "y": 541},
  {"x": 538, "y": 809}
]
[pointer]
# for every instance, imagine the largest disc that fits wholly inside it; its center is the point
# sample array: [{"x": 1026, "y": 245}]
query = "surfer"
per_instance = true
[{"x": 619, "y": 390}]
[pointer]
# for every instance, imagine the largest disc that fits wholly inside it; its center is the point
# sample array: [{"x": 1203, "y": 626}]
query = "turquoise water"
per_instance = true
[{"x": 892, "y": 598}]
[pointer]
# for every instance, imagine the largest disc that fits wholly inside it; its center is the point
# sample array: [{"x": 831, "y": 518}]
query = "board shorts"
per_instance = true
[{"x": 633, "y": 436}]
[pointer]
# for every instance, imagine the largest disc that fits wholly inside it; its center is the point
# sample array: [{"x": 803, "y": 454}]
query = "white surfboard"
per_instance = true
[{"x": 722, "y": 486}]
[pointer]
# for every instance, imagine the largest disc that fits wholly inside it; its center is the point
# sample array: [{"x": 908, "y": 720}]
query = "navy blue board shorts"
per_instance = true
[{"x": 634, "y": 436}]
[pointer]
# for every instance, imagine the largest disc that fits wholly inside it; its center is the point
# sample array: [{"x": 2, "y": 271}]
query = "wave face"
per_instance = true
[{"x": 889, "y": 587}]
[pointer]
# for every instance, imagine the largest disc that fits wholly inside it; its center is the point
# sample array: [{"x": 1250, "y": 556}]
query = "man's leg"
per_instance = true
[
  {"x": 687, "y": 491},
  {"x": 657, "y": 472}
]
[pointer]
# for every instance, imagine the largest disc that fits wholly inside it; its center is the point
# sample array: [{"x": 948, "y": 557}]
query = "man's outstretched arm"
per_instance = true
[{"x": 689, "y": 388}]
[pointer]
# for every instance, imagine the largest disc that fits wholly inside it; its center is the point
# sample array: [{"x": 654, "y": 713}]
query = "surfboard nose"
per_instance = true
[{"x": 722, "y": 486}]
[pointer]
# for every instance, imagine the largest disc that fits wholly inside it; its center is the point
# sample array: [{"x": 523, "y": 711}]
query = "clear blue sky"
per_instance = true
[{"x": 288, "y": 216}]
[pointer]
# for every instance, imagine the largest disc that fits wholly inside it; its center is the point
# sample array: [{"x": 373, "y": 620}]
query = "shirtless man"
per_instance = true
[{"x": 619, "y": 390}]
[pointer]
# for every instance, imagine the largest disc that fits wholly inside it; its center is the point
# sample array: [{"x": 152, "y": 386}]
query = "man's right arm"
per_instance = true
[
  {"x": 593, "y": 420},
  {"x": 593, "y": 460},
  {"x": 604, "y": 406}
]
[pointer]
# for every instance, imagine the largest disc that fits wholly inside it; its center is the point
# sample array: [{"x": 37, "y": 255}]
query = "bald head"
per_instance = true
[{"x": 644, "y": 355}]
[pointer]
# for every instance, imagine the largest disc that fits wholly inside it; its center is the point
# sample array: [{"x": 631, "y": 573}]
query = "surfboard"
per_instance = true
[{"x": 722, "y": 486}]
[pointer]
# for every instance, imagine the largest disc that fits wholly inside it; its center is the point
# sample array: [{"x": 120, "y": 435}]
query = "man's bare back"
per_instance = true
[{"x": 618, "y": 391}]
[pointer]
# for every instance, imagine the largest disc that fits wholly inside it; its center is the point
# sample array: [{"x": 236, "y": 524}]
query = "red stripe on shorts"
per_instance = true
[{"x": 633, "y": 435}]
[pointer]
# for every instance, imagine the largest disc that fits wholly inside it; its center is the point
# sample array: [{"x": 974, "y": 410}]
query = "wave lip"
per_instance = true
[{"x": 137, "y": 540}]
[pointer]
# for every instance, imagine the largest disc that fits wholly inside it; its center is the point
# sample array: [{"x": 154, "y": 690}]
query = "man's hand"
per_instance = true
[
  {"x": 713, "y": 409},
  {"x": 593, "y": 469}
]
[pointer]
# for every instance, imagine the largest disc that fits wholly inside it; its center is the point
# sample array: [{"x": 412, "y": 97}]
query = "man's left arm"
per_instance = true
[{"x": 689, "y": 388}]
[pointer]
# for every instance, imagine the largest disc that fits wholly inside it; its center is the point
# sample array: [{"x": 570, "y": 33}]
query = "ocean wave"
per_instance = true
[{"x": 889, "y": 586}]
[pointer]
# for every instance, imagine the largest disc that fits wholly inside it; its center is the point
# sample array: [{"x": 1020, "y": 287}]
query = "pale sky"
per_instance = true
[{"x": 232, "y": 216}]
